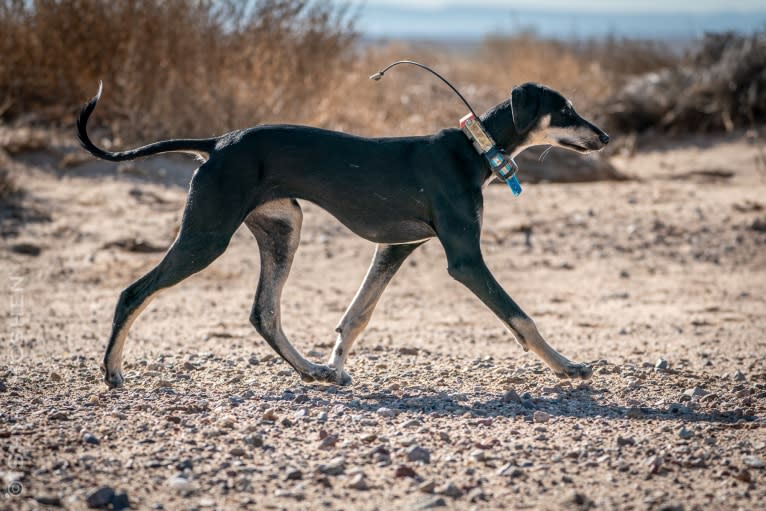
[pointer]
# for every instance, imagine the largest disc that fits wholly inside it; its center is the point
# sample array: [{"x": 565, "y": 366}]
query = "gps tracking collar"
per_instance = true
[{"x": 503, "y": 166}]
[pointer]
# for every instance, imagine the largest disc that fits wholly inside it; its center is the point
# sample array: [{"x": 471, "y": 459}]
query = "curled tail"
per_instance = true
[{"x": 194, "y": 146}]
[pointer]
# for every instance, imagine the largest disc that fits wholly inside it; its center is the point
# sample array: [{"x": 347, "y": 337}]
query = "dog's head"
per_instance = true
[{"x": 542, "y": 116}]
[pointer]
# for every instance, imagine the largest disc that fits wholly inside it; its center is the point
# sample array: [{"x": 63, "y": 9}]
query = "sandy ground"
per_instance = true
[{"x": 445, "y": 409}]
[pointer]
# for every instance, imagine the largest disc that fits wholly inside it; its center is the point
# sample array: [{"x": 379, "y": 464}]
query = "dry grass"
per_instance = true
[
  {"x": 198, "y": 68},
  {"x": 170, "y": 66}
]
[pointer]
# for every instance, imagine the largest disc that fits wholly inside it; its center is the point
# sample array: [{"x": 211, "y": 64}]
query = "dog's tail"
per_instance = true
[{"x": 194, "y": 146}]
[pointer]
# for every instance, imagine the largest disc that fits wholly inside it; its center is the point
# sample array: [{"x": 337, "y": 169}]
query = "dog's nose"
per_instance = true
[{"x": 604, "y": 138}]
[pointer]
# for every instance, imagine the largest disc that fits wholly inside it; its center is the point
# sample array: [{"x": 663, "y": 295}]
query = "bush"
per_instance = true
[{"x": 184, "y": 67}]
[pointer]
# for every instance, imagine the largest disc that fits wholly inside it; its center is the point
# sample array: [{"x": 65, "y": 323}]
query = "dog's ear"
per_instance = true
[{"x": 525, "y": 106}]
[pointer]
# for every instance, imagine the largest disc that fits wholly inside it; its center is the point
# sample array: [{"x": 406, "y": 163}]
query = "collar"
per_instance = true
[{"x": 502, "y": 165}]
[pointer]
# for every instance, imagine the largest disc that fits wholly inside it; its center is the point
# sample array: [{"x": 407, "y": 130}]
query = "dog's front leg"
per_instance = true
[{"x": 466, "y": 265}]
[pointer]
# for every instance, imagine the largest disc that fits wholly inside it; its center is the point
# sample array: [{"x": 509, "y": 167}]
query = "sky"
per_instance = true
[{"x": 692, "y": 6}]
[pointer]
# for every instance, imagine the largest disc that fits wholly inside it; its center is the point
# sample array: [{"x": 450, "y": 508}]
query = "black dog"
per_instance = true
[{"x": 397, "y": 192}]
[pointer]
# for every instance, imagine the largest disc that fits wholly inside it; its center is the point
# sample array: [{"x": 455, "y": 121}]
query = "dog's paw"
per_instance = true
[
  {"x": 325, "y": 374},
  {"x": 575, "y": 371},
  {"x": 113, "y": 377},
  {"x": 343, "y": 379}
]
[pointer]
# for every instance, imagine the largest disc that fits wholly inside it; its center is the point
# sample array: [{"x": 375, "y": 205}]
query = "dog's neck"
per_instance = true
[{"x": 498, "y": 122}]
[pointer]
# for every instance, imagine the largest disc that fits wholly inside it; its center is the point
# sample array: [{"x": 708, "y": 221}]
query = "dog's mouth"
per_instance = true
[{"x": 581, "y": 146}]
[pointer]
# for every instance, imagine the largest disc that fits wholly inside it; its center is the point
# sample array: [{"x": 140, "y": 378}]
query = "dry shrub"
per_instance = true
[
  {"x": 170, "y": 66},
  {"x": 720, "y": 86}
]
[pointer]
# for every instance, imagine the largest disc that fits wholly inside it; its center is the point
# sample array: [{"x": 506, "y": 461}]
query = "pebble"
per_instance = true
[
  {"x": 237, "y": 451},
  {"x": 685, "y": 434},
  {"x": 540, "y": 416},
  {"x": 328, "y": 442},
  {"x": 753, "y": 462},
  {"x": 621, "y": 441},
  {"x": 49, "y": 500},
  {"x": 334, "y": 467},
  {"x": 449, "y": 490},
  {"x": 431, "y": 503},
  {"x": 293, "y": 474},
  {"x": 405, "y": 471},
  {"x": 88, "y": 438},
  {"x": 180, "y": 483},
  {"x": 270, "y": 415},
  {"x": 477, "y": 494},
  {"x": 695, "y": 392},
  {"x": 427, "y": 486},
  {"x": 511, "y": 396},
  {"x": 100, "y": 498},
  {"x": 418, "y": 453},
  {"x": 738, "y": 375},
  {"x": 478, "y": 455},
  {"x": 661, "y": 365},
  {"x": 358, "y": 482},
  {"x": 386, "y": 412}
]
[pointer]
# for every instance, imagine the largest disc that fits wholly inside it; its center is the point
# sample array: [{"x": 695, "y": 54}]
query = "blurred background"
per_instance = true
[{"x": 197, "y": 68}]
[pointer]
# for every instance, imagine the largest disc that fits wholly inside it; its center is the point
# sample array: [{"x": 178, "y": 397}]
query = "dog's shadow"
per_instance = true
[{"x": 575, "y": 403}]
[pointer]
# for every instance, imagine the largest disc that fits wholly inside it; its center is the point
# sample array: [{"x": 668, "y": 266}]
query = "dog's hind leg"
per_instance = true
[
  {"x": 276, "y": 226},
  {"x": 385, "y": 263},
  {"x": 208, "y": 223}
]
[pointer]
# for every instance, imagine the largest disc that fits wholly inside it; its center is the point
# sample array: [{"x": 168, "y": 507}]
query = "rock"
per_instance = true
[
  {"x": 427, "y": 486},
  {"x": 405, "y": 471},
  {"x": 386, "y": 412},
  {"x": 566, "y": 166},
  {"x": 540, "y": 416},
  {"x": 661, "y": 365},
  {"x": 237, "y": 451},
  {"x": 478, "y": 455},
  {"x": 270, "y": 415},
  {"x": 685, "y": 434},
  {"x": 293, "y": 474},
  {"x": 635, "y": 413},
  {"x": 408, "y": 350},
  {"x": 358, "y": 482},
  {"x": 431, "y": 503},
  {"x": 678, "y": 408},
  {"x": 511, "y": 396},
  {"x": 49, "y": 500},
  {"x": 738, "y": 375},
  {"x": 743, "y": 475},
  {"x": 328, "y": 442},
  {"x": 622, "y": 441},
  {"x": 450, "y": 490},
  {"x": 180, "y": 483},
  {"x": 3, "y": 386},
  {"x": 412, "y": 423},
  {"x": 100, "y": 498},
  {"x": 90, "y": 439},
  {"x": 753, "y": 462},
  {"x": 477, "y": 495},
  {"x": 417, "y": 453},
  {"x": 695, "y": 392},
  {"x": 28, "y": 249},
  {"x": 120, "y": 501},
  {"x": 253, "y": 440},
  {"x": 579, "y": 501},
  {"x": 334, "y": 467},
  {"x": 654, "y": 463}
]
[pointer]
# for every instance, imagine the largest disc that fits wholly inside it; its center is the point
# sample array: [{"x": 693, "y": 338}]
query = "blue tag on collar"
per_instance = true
[{"x": 502, "y": 166}]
